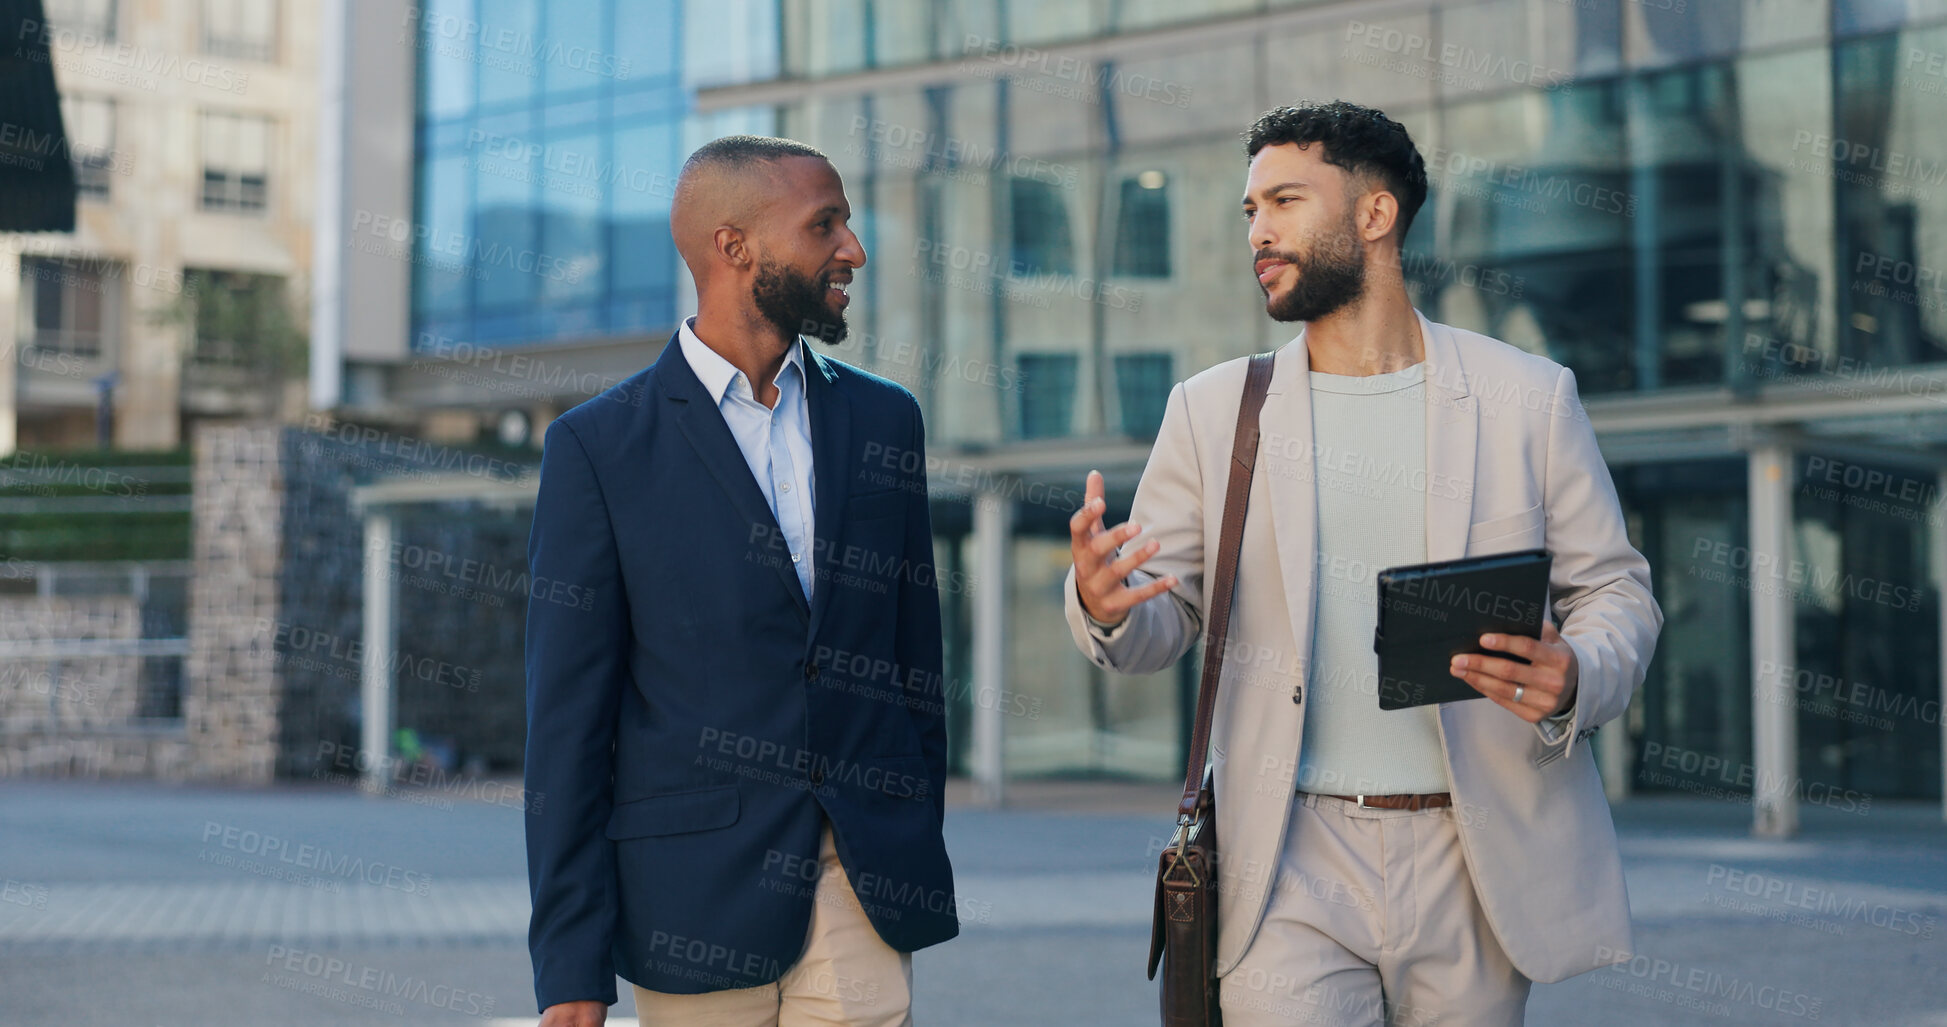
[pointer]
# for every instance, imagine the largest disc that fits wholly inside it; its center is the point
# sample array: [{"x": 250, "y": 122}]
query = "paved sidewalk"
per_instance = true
[{"x": 307, "y": 905}]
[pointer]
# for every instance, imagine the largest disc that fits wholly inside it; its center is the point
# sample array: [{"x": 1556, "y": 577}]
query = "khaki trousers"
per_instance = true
[
  {"x": 1373, "y": 920},
  {"x": 847, "y": 975}
]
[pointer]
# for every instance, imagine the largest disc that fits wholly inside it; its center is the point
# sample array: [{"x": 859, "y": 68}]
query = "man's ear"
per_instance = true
[
  {"x": 1378, "y": 213},
  {"x": 731, "y": 246}
]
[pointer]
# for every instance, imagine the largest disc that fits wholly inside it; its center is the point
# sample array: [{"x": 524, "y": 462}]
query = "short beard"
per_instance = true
[
  {"x": 1331, "y": 274},
  {"x": 796, "y": 303}
]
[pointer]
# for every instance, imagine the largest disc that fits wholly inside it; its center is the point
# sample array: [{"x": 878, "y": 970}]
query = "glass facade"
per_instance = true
[
  {"x": 1889, "y": 168},
  {"x": 1697, "y": 203},
  {"x": 1692, "y": 208},
  {"x": 1660, "y": 201},
  {"x": 548, "y": 141},
  {"x": 1697, "y": 696}
]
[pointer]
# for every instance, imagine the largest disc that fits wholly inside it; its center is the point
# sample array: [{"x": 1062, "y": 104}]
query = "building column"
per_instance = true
[
  {"x": 993, "y": 529},
  {"x": 1774, "y": 717},
  {"x": 9, "y": 345},
  {"x": 233, "y": 682},
  {"x": 375, "y": 682}
]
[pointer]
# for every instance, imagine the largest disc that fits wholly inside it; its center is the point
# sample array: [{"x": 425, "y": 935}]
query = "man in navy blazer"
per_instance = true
[{"x": 736, "y": 744}]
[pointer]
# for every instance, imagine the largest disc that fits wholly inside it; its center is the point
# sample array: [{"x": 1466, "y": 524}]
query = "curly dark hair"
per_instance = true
[{"x": 1361, "y": 140}]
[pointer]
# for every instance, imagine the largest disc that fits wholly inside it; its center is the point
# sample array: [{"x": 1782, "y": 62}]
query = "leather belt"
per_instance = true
[{"x": 1429, "y": 800}]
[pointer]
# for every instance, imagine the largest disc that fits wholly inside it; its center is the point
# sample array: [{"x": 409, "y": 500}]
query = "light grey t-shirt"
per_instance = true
[{"x": 1369, "y": 459}]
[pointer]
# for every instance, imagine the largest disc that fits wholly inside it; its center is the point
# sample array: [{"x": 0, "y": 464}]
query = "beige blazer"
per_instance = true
[{"x": 1512, "y": 464}]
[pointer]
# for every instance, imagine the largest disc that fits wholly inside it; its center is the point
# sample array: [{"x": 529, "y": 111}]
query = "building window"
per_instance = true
[
  {"x": 1142, "y": 231},
  {"x": 1504, "y": 261},
  {"x": 241, "y": 320},
  {"x": 244, "y": 30},
  {"x": 1891, "y": 298},
  {"x": 1042, "y": 243},
  {"x": 68, "y": 305},
  {"x": 1142, "y": 384},
  {"x": 236, "y": 161},
  {"x": 90, "y": 19},
  {"x": 90, "y": 124},
  {"x": 1047, "y": 394}
]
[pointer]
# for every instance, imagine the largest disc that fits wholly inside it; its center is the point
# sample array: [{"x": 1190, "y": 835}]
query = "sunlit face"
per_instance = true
[
  {"x": 1309, "y": 258},
  {"x": 806, "y": 252}
]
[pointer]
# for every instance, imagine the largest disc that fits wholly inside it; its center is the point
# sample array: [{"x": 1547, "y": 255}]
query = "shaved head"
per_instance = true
[{"x": 729, "y": 182}]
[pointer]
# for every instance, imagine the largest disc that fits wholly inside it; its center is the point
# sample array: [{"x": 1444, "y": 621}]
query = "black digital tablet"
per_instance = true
[{"x": 1431, "y": 612}]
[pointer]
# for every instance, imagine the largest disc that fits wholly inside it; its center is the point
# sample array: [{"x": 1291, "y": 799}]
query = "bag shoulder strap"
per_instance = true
[{"x": 1243, "y": 460}]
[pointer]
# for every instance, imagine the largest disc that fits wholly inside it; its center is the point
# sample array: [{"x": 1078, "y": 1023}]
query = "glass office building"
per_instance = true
[
  {"x": 547, "y": 139},
  {"x": 1730, "y": 219},
  {"x": 545, "y": 143}
]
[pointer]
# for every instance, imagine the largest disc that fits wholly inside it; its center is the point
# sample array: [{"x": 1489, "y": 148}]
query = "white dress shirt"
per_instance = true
[{"x": 776, "y": 441}]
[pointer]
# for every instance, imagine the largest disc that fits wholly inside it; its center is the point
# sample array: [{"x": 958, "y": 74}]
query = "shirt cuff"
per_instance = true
[
  {"x": 1097, "y": 629},
  {"x": 1554, "y": 728}
]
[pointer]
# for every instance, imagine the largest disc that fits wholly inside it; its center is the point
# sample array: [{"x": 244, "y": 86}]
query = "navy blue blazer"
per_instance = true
[{"x": 692, "y": 720}]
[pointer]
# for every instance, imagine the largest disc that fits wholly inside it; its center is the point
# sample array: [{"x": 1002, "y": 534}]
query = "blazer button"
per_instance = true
[
  {"x": 1297, "y": 694},
  {"x": 810, "y": 671},
  {"x": 818, "y": 775}
]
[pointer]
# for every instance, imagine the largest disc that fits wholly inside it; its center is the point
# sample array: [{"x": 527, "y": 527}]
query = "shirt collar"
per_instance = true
[{"x": 717, "y": 374}]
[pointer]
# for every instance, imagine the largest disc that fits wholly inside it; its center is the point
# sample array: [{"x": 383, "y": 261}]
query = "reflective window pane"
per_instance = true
[
  {"x": 1142, "y": 238},
  {"x": 1887, "y": 156},
  {"x": 578, "y": 55},
  {"x": 1526, "y": 231},
  {"x": 1047, "y": 394},
  {"x": 1143, "y": 382},
  {"x": 447, "y": 61},
  {"x": 1043, "y": 240}
]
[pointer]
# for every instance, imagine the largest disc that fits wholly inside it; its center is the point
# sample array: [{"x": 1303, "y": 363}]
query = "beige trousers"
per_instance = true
[
  {"x": 1373, "y": 920},
  {"x": 847, "y": 977}
]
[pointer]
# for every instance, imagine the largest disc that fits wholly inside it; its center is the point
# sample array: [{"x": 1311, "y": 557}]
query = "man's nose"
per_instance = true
[
  {"x": 1261, "y": 236},
  {"x": 852, "y": 253}
]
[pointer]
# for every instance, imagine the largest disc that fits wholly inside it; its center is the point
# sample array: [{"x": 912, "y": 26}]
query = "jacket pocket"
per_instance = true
[
  {"x": 1501, "y": 531},
  {"x": 675, "y": 813}
]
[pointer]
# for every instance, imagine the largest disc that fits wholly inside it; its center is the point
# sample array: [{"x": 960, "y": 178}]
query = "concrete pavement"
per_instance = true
[{"x": 124, "y": 904}]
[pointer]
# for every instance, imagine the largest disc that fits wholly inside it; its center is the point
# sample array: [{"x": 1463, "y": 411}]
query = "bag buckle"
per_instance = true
[{"x": 1182, "y": 849}]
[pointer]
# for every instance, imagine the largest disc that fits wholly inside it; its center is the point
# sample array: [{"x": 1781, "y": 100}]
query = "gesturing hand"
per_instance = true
[
  {"x": 1100, "y": 578},
  {"x": 1541, "y": 688}
]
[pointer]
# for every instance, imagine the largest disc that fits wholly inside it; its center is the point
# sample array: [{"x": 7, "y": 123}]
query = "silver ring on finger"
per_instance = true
[{"x": 1519, "y": 690}]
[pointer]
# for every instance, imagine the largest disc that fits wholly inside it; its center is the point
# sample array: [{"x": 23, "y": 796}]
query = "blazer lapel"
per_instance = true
[
  {"x": 702, "y": 424},
  {"x": 1452, "y": 433},
  {"x": 1285, "y": 456},
  {"x": 832, "y": 466}
]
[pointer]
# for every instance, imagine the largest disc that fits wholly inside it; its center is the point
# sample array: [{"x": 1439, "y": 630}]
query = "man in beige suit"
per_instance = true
[{"x": 1406, "y": 866}]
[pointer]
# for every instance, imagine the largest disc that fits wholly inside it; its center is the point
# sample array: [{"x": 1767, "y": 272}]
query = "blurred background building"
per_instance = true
[
  {"x": 168, "y": 294},
  {"x": 1730, "y": 219},
  {"x": 192, "y": 129}
]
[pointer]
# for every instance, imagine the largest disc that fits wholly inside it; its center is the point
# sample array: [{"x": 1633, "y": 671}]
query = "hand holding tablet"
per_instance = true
[{"x": 1430, "y": 613}]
